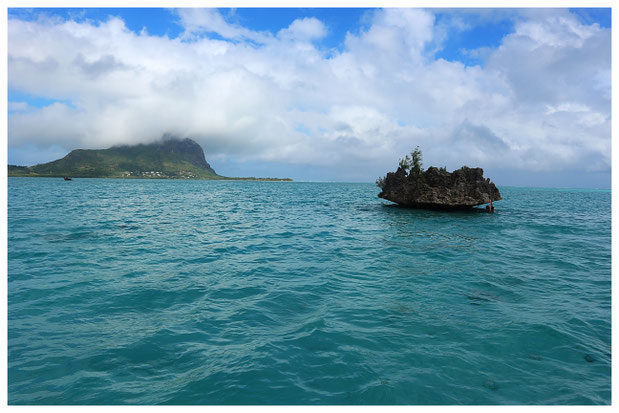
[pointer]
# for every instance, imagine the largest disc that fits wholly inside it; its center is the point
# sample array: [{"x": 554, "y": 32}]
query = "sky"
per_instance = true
[{"x": 321, "y": 94}]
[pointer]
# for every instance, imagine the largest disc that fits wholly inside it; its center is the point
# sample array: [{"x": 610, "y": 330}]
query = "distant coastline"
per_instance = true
[
  {"x": 16, "y": 174},
  {"x": 169, "y": 158}
]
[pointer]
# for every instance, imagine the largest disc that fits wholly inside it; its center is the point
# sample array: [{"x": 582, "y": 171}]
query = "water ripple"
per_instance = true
[{"x": 170, "y": 292}]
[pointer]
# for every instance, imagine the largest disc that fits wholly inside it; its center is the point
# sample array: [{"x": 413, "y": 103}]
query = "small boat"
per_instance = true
[{"x": 66, "y": 178}]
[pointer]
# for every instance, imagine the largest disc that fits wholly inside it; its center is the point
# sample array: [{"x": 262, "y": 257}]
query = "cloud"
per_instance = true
[
  {"x": 541, "y": 101},
  {"x": 305, "y": 29},
  {"x": 200, "y": 21},
  {"x": 18, "y": 106},
  {"x": 102, "y": 65},
  {"x": 393, "y": 31}
]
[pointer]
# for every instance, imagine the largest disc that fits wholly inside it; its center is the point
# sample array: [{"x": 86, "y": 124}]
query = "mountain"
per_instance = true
[{"x": 168, "y": 158}]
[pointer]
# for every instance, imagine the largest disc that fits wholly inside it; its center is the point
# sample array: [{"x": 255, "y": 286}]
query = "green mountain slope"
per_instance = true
[{"x": 168, "y": 158}]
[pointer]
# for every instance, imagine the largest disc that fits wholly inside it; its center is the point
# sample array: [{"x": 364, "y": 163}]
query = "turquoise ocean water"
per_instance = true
[{"x": 212, "y": 292}]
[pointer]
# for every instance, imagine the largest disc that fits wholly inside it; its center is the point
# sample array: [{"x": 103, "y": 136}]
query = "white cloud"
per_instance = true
[
  {"x": 199, "y": 21},
  {"x": 18, "y": 106},
  {"x": 305, "y": 29},
  {"x": 541, "y": 101},
  {"x": 555, "y": 30}
]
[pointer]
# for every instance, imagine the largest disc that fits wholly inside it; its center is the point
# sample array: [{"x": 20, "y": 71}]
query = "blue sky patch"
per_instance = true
[
  {"x": 461, "y": 44},
  {"x": 34, "y": 101}
]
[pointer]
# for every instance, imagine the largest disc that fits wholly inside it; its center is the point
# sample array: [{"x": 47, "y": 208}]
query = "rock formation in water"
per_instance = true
[{"x": 438, "y": 189}]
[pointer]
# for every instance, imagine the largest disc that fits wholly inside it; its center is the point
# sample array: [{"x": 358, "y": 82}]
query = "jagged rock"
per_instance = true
[{"x": 439, "y": 189}]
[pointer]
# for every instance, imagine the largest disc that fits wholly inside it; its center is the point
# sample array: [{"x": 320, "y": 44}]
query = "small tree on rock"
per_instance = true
[
  {"x": 405, "y": 163},
  {"x": 416, "y": 164},
  {"x": 380, "y": 182},
  {"x": 412, "y": 164}
]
